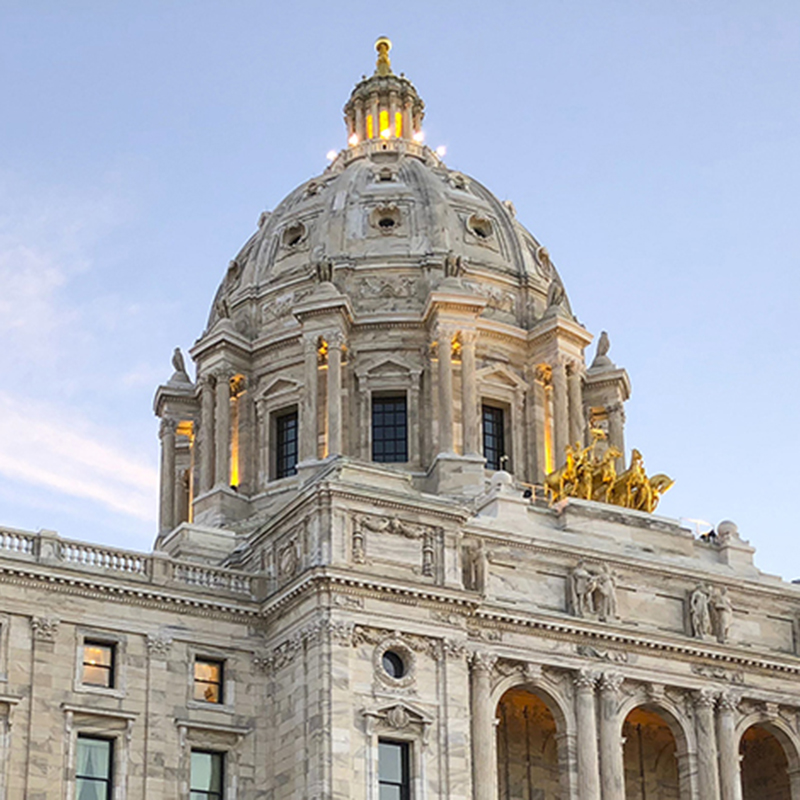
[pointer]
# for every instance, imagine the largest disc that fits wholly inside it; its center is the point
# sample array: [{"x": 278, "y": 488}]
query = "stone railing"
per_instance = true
[{"x": 48, "y": 548}]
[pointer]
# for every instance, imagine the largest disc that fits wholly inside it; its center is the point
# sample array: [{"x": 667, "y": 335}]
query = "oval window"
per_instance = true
[{"x": 393, "y": 664}]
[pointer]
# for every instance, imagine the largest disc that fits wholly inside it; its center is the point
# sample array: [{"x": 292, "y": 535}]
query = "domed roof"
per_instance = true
[{"x": 388, "y": 206}]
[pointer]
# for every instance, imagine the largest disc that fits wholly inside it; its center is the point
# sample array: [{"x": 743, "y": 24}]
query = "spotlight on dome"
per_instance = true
[
  {"x": 331, "y": 155},
  {"x": 441, "y": 151},
  {"x": 353, "y": 140},
  {"x": 419, "y": 137}
]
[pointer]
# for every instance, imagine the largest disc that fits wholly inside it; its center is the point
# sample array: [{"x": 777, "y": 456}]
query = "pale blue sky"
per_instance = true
[{"x": 654, "y": 147}]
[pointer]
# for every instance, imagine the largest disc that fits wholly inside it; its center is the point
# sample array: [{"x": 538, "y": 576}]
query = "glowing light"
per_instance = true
[
  {"x": 384, "y": 125},
  {"x": 331, "y": 155},
  {"x": 419, "y": 136},
  {"x": 398, "y": 124},
  {"x": 370, "y": 127},
  {"x": 353, "y": 140},
  {"x": 441, "y": 151}
]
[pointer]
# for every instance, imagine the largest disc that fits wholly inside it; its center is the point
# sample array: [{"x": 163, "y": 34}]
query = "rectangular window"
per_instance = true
[
  {"x": 286, "y": 445},
  {"x": 389, "y": 429},
  {"x": 494, "y": 448},
  {"x": 394, "y": 778},
  {"x": 98, "y": 664},
  {"x": 207, "y": 779},
  {"x": 94, "y": 768},
  {"x": 208, "y": 680},
  {"x": 370, "y": 127},
  {"x": 384, "y": 124}
]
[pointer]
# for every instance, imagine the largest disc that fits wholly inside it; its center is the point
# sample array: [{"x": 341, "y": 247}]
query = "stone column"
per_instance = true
[
  {"x": 166, "y": 514},
  {"x": 262, "y": 445},
  {"x": 588, "y": 759},
  {"x": 484, "y": 768},
  {"x": 730, "y": 782},
  {"x": 222, "y": 439},
  {"x": 445, "y": 338},
  {"x": 707, "y": 770},
  {"x": 616, "y": 431},
  {"x": 335, "y": 344},
  {"x": 612, "y": 765},
  {"x": 560, "y": 412},
  {"x": 575, "y": 393},
  {"x": 308, "y": 418},
  {"x": 469, "y": 394},
  {"x": 207, "y": 434}
]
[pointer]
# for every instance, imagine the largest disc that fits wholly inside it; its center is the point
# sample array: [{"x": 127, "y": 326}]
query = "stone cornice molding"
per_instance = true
[{"x": 550, "y": 328}]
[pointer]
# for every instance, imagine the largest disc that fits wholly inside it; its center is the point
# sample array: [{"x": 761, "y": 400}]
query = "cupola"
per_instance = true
[{"x": 385, "y": 105}]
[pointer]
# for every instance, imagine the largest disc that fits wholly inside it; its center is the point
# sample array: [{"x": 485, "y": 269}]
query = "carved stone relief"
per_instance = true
[{"x": 593, "y": 593}]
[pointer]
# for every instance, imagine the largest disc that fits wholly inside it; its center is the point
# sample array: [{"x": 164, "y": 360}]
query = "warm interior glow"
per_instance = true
[
  {"x": 370, "y": 127},
  {"x": 398, "y": 124},
  {"x": 549, "y": 463},
  {"x": 419, "y": 136},
  {"x": 186, "y": 428},
  {"x": 237, "y": 390},
  {"x": 384, "y": 125},
  {"x": 353, "y": 140}
]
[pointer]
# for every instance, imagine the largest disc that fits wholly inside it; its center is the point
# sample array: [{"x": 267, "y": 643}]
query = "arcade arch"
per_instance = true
[
  {"x": 765, "y": 770},
  {"x": 650, "y": 756}
]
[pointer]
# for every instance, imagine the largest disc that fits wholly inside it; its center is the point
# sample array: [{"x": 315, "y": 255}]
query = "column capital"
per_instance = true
[
  {"x": 611, "y": 682},
  {"x": 705, "y": 698},
  {"x": 221, "y": 374},
  {"x": 207, "y": 380},
  {"x": 310, "y": 339},
  {"x": 585, "y": 680},
  {"x": 575, "y": 367},
  {"x": 616, "y": 408},
  {"x": 468, "y": 337},
  {"x": 167, "y": 427},
  {"x": 482, "y": 661},
  {"x": 729, "y": 701}
]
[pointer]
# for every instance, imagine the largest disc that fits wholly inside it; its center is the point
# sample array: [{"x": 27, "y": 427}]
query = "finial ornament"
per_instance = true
[{"x": 383, "y": 65}]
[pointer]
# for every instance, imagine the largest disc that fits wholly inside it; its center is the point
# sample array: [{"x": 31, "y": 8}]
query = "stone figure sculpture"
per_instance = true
[
  {"x": 325, "y": 270},
  {"x": 700, "y": 612},
  {"x": 603, "y": 344},
  {"x": 593, "y": 592},
  {"x": 453, "y": 265},
  {"x": 178, "y": 363},
  {"x": 723, "y": 614},
  {"x": 555, "y": 294}
]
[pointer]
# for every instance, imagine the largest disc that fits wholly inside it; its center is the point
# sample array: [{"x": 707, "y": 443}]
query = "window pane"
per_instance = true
[
  {"x": 91, "y": 790},
  {"x": 94, "y": 758},
  {"x": 493, "y": 438},
  {"x": 390, "y": 761},
  {"x": 206, "y": 671},
  {"x": 206, "y": 777},
  {"x": 390, "y": 792},
  {"x": 97, "y": 654},
  {"x": 208, "y": 681},
  {"x": 389, "y": 429},
  {"x": 286, "y": 445},
  {"x": 98, "y": 664}
]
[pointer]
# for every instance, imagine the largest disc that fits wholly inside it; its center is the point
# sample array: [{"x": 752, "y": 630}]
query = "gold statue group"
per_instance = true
[{"x": 590, "y": 474}]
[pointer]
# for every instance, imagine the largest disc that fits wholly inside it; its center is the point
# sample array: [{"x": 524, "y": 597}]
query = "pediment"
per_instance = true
[
  {"x": 399, "y": 714},
  {"x": 280, "y": 386},
  {"x": 502, "y": 375},
  {"x": 389, "y": 367}
]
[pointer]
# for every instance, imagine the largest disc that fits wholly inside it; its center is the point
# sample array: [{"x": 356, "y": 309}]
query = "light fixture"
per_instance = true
[
  {"x": 419, "y": 136},
  {"x": 353, "y": 140},
  {"x": 331, "y": 155},
  {"x": 441, "y": 151}
]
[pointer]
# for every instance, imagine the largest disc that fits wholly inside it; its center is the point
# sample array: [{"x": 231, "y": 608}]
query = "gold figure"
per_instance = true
[
  {"x": 383, "y": 66},
  {"x": 588, "y": 475}
]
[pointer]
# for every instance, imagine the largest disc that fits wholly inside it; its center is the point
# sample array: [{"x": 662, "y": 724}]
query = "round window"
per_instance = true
[
  {"x": 480, "y": 226},
  {"x": 393, "y": 664},
  {"x": 294, "y": 234}
]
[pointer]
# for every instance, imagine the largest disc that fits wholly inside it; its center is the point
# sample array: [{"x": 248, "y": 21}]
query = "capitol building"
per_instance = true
[{"x": 405, "y": 551}]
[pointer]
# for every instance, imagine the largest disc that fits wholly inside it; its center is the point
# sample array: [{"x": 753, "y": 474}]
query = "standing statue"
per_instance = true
[
  {"x": 723, "y": 613},
  {"x": 454, "y": 265},
  {"x": 555, "y": 294},
  {"x": 178, "y": 363},
  {"x": 603, "y": 344},
  {"x": 699, "y": 612},
  {"x": 606, "y": 587},
  {"x": 582, "y": 587},
  {"x": 325, "y": 270}
]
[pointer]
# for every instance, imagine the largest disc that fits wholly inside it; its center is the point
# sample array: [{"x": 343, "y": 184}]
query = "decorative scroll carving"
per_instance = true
[
  {"x": 603, "y": 654},
  {"x": 718, "y": 673},
  {"x": 370, "y": 287},
  {"x": 395, "y": 526},
  {"x": 45, "y": 629}
]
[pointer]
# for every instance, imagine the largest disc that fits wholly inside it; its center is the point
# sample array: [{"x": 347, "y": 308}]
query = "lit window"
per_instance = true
[
  {"x": 394, "y": 780},
  {"x": 286, "y": 444},
  {"x": 207, "y": 775},
  {"x": 384, "y": 125},
  {"x": 389, "y": 429},
  {"x": 94, "y": 768},
  {"x": 98, "y": 664},
  {"x": 207, "y": 680},
  {"x": 494, "y": 450},
  {"x": 398, "y": 124},
  {"x": 370, "y": 126}
]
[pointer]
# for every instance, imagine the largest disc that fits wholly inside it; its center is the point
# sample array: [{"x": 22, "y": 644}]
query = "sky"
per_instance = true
[{"x": 653, "y": 147}]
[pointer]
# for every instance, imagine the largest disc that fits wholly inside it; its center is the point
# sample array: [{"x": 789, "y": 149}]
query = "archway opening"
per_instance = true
[
  {"x": 651, "y": 764},
  {"x": 527, "y": 748},
  {"x": 765, "y": 768}
]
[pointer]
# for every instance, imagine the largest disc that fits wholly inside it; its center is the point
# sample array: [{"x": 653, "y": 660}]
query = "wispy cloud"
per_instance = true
[{"x": 43, "y": 445}]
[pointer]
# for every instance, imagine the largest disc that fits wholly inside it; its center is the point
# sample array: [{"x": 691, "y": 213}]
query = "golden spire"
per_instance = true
[{"x": 383, "y": 66}]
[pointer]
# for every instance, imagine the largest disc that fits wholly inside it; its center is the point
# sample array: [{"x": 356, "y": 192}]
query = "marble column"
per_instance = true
[
  {"x": 612, "y": 765},
  {"x": 586, "y": 716},
  {"x": 308, "y": 421},
  {"x": 484, "y": 767},
  {"x": 469, "y": 394},
  {"x": 445, "y": 339},
  {"x": 335, "y": 344},
  {"x": 207, "y": 434},
  {"x": 222, "y": 439},
  {"x": 729, "y": 778},
  {"x": 167, "y": 505},
  {"x": 707, "y": 769},
  {"x": 575, "y": 396},
  {"x": 616, "y": 431},
  {"x": 560, "y": 412},
  {"x": 262, "y": 444}
]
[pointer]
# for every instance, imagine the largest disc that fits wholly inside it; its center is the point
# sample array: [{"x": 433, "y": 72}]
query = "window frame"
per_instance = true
[
  {"x": 406, "y": 781},
  {"x": 109, "y": 781},
  {"x": 207, "y": 795},
  {"x": 112, "y": 667},
  {"x": 503, "y": 461},
  {"x": 221, "y": 688},
  {"x": 385, "y": 397},
  {"x": 276, "y": 454},
  {"x": 118, "y": 643}
]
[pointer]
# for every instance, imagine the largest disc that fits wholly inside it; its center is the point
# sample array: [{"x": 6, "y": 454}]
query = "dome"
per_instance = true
[{"x": 387, "y": 214}]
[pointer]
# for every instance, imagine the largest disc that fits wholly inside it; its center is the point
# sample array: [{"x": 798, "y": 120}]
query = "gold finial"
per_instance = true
[{"x": 383, "y": 66}]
